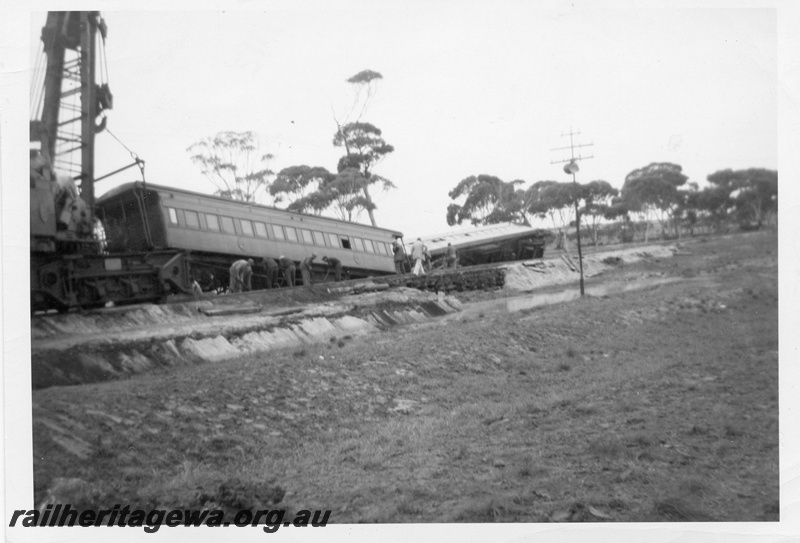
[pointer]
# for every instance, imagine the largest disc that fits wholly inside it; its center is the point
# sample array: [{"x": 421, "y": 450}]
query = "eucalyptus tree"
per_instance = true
[
  {"x": 556, "y": 200},
  {"x": 752, "y": 192},
  {"x": 343, "y": 194},
  {"x": 487, "y": 199},
  {"x": 235, "y": 163},
  {"x": 363, "y": 144},
  {"x": 652, "y": 191},
  {"x": 714, "y": 204},
  {"x": 364, "y": 85},
  {"x": 597, "y": 196},
  {"x": 364, "y": 148},
  {"x": 295, "y": 185}
]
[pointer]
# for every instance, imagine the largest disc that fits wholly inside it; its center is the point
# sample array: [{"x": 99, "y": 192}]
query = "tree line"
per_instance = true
[{"x": 657, "y": 193}]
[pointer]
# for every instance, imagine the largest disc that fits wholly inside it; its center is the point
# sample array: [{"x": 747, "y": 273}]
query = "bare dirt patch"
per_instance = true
[{"x": 653, "y": 405}]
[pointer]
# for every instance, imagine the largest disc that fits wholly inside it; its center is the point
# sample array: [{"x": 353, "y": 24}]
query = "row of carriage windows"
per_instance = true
[{"x": 223, "y": 224}]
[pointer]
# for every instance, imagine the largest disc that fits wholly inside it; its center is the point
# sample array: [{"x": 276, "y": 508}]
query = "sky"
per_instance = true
[{"x": 468, "y": 88}]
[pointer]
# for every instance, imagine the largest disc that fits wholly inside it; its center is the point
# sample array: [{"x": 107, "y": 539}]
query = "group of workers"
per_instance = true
[
  {"x": 421, "y": 258},
  {"x": 241, "y": 271}
]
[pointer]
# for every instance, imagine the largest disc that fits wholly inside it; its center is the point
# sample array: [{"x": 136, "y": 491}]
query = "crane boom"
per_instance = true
[{"x": 66, "y": 127}]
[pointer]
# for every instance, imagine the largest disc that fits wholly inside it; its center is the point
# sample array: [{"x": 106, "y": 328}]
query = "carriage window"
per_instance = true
[
  {"x": 212, "y": 222},
  {"x": 358, "y": 243},
  {"x": 261, "y": 229},
  {"x": 334, "y": 239},
  {"x": 227, "y": 225},
  {"x": 307, "y": 238},
  {"x": 368, "y": 245},
  {"x": 173, "y": 215},
  {"x": 247, "y": 227},
  {"x": 319, "y": 239},
  {"x": 278, "y": 231},
  {"x": 382, "y": 249},
  {"x": 192, "y": 219},
  {"x": 291, "y": 234}
]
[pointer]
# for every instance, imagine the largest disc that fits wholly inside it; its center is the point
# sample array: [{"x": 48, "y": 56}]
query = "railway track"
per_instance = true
[
  {"x": 482, "y": 277},
  {"x": 479, "y": 277}
]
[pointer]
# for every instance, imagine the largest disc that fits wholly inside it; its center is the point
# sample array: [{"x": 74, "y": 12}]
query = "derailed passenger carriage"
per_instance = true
[
  {"x": 210, "y": 233},
  {"x": 500, "y": 242}
]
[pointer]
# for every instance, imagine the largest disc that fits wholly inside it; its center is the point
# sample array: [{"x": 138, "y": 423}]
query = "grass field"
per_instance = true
[{"x": 654, "y": 405}]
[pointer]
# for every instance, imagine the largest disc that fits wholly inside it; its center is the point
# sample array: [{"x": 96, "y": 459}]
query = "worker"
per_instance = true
[
  {"x": 40, "y": 169},
  {"x": 72, "y": 211},
  {"x": 418, "y": 250},
  {"x": 450, "y": 257},
  {"x": 241, "y": 272},
  {"x": 272, "y": 271},
  {"x": 336, "y": 264},
  {"x": 208, "y": 282},
  {"x": 427, "y": 260},
  {"x": 305, "y": 269},
  {"x": 400, "y": 259},
  {"x": 288, "y": 269}
]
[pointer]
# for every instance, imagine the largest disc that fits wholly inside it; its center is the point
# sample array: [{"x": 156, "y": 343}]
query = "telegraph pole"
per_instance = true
[{"x": 571, "y": 167}]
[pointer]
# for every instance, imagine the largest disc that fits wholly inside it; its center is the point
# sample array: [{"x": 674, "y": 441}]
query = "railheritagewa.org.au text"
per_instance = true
[{"x": 268, "y": 520}]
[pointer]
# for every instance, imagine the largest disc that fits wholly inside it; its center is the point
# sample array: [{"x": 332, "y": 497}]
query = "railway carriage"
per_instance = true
[{"x": 212, "y": 232}]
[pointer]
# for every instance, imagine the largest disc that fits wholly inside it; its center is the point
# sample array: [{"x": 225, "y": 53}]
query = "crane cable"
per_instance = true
[
  {"x": 41, "y": 73},
  {"x": 37, "y": 86},
  {"x": 139, "y": 198},
  {"x": 103, "y": 59}
]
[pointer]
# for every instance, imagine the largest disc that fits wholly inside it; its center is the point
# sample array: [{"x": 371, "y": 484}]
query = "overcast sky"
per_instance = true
[{"x": 468, "y": 88}]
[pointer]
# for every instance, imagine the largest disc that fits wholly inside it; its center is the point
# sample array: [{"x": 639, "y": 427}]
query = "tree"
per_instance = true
[
  {"x": 486, "y": 200},
  {"x": 365, "y": 85},
  {"x": 234, "y": 163},
  {"x": 363, "y": 144},
  {"x": 557, "y": 201},
  {"x": 653, "y": 190},
  {"x": 341, "y": 193},
  {"x": 617, "y": 210},
  {"x": 296, "y": 184},
  {"x": 597, "y": 197},
  {"x": 344, "y": 194},
  {"x": 712, "y": 202},
  {"x": 753, "y": 192},
  {"x": 364, "y": 147},
  {"x": 687, "y": 211},
  {"x": 347, "y": 192}
]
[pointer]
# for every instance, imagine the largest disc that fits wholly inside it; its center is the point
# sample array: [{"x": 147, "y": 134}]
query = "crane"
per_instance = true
[{"x": 68, "y": 113}]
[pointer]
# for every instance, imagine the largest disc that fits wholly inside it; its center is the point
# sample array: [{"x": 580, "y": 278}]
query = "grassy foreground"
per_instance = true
[{"x": 655, "y": 405}]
